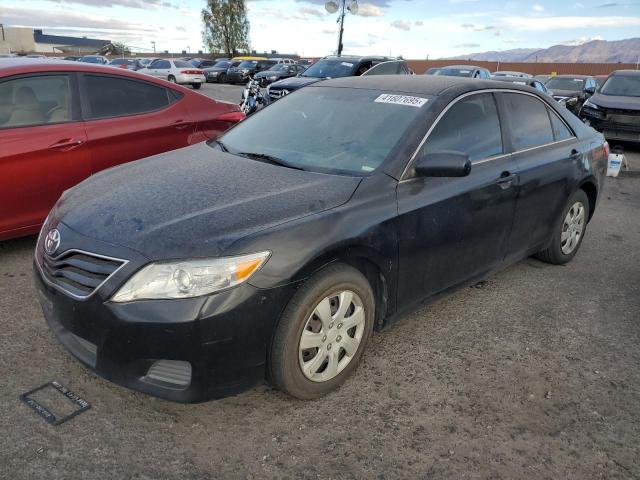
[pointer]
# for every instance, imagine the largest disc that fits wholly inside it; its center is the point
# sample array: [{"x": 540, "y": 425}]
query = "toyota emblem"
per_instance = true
[{"x": 52, "y": 241}]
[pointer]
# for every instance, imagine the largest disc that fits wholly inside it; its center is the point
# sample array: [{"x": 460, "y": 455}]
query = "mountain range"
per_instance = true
[{"x": 595, "y": 51}]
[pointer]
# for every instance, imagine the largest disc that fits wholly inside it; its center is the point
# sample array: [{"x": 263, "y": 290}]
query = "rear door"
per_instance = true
[
  {"x": 546, "y": 150},
  {"x": 454, "y": 229},
  {"x": 128, "y": 119},
  {"x": 43, "y": 147}
]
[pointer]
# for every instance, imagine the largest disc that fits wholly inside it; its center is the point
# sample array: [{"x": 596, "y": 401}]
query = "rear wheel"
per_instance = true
[
  {"x": 222, "y": 78},
  {"x": 196, "y": 86},
  {"x": 569, "y": 231},
  {"x": 172, "y": 79},
  {"x": 322, "y": 333}
]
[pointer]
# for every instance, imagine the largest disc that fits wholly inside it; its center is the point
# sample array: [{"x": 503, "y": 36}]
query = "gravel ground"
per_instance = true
[{"x": 531, "y": 374}]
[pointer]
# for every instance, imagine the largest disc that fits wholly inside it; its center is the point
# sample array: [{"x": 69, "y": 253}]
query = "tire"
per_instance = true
[
  {"x": 222, "y": 77},
  {"x": 172, "y": 79},
  {"x": 196, "y": 86},
  {"x": 562, "y": 250},
  {"x": 336, "y": 282}
]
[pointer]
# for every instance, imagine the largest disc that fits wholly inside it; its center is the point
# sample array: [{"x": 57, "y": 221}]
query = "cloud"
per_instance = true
[
  {"x": 467, "y": 25},
  {"x": 510, "y": 40},
  {"x": 467, "y": 45},
  {"x": 120, "y": 3},
  {"x": 543, "y": 24},
  {"x": 581, "y": 40},
  {"x": 329, "y": 31},
  {"x": 181, "y": 29},
  {"x": 369, "y": 10},
  {"x": 311, "y": 11},
  {"x": 483, "y": 28},
  {"x": 378, "y": 3},
  {"x": 401, "y": 25},
  {"x": 538, "y": 8},
  {"x": 418, "y": 23}
]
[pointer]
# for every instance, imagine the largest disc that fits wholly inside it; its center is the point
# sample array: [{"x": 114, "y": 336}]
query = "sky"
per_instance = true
[{"x": 415, "y": 29}]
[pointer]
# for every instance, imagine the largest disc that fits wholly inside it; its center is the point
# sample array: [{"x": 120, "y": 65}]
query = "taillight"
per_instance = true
[
  {"x": 191, "y": 72},
  {"x": 234, "y": 117},
  {"x": 123, "y": 65},
  {"x": 605, "y": 149}
]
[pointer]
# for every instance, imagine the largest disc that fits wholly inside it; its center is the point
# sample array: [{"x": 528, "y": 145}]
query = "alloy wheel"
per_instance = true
[
  {"x": 572, "y": 228},
  {"x": 331, "y": 336}
]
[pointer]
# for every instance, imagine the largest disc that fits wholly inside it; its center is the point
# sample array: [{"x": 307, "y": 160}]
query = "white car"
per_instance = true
[{"x": 176, "y": 71}]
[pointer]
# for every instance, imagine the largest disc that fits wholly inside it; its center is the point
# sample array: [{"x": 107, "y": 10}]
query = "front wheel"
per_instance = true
[
  {"x": 222, "y": 78},
  {"x": 569, "y": 231},
  {"x": 322, "y": 333}
]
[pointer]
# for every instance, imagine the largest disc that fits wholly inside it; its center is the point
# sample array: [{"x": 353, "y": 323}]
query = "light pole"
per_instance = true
[
  {"x": 154, "y": 46},
  {"x": 332, "y": 6}
]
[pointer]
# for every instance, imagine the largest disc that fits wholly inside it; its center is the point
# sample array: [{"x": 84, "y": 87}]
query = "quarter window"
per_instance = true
[
  {"x": 471, "y": 126},
  {"x": 560, "y": 130},
  {"x": 115, "y": 97},
  {"x": 36, "y": 100},
  {"x": 530, "y": 125}
]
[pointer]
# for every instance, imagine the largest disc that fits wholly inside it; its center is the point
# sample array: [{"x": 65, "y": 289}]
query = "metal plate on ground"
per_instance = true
[{"x": 45, "y": 412}]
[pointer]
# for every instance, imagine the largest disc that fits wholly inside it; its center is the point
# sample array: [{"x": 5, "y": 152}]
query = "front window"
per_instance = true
[
  {"x": 330, "y": 68},
  {"x": 622, "y": 85},
  {"x": 332, "y": 130},
  {"x": 564, "y": 83}
]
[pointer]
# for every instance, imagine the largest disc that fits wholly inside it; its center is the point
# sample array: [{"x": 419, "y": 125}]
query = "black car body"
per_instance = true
[
  {"x": 328, "y": 67},
  {"x": 466, "y": 71},
  {"x": 529, "y": 81},
  {"x": 278, "y": 72},
  {"x": 202, "y": 63},
  {"x": 572, "y": 90},
  {"x": 247, "y": 69},
  {"x": 614, "y": 110},
  {"x": 218, "y": 73},
  {"x": 373, "y": 189}
]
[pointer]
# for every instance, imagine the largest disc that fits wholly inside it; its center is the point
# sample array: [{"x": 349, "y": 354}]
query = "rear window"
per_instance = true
[
  {"x": 182, "y": 64},
  {"x": 336, "y": 130},
  {"x": 114, "y": 97},
  {"x": 563, "y": 83},
  {"x": 452, "y": 72}
]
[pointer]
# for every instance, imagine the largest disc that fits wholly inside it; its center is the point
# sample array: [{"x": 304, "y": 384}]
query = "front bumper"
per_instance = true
[
  {"x": 237, "y": 77},
  {"x": 223, "y": 338},
  {"x": 610, "y": 126}
]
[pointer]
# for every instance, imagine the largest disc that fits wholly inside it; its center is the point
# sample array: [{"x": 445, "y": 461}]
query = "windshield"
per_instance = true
[
  {"x": 452, "y": 72},
  {"x": 564, "y": 83},
  {"x": 279, "y": 67},
  {"x": 222, "y": 64},
  {"x": 330, "y": 69},
  {"x": 622, "y": 85},
  {"x": 248, "y": 64},
  {"x": 323, "y": 129}
]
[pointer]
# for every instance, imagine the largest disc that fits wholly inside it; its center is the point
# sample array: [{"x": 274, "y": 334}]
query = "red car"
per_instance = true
[{"x": 61, "y": 122}]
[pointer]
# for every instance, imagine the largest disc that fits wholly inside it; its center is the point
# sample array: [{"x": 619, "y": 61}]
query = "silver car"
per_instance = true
[{"x": 176, "y": 71}]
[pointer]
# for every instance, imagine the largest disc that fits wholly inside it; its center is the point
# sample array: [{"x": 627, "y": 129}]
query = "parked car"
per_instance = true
[
  {"x": 145, "y": 62},
  {"x": 278, "y": 72},
  {"x": 175, "y": 71},
  {"x": 52, "y": 140},
  {"x": 128, "y": 63},
  {"x": 615, "y": 108},
  {"x": 99, "y": 59},
  {"x": 218, "y": 73},
  {"x": 542, "y": 78},
  {"x": 600, "y": 79},
  {"x": 202, "y": 62},
  {"x": 328, "y": 67},
  {"x": 8, "y": 55},
  {"x": 572, "y": 90},
  {"x": 277, "y": 250},
  {"x": 72, "y": 58},
  {"x": 247, "y": 69},
  {"x": 35, "y": 55},
  {"x": 510, "y": 73},
  {"x": 305, "y": 62},
  {"x": 469, "y": 71},
  {"x": 391, "y": 67},
  {"x": 529, "y": 81}
]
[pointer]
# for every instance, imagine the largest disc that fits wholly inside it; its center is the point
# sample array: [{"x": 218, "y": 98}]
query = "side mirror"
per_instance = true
[
  {"x": 590, "y": 90},
  {"x": 443, "y": 164}
]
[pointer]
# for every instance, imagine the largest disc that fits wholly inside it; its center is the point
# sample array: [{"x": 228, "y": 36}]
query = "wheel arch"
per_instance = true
[{"x": 589, "y": 187}]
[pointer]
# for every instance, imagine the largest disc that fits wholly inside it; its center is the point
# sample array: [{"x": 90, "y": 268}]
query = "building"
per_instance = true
[{"x": 27, "y": 40}]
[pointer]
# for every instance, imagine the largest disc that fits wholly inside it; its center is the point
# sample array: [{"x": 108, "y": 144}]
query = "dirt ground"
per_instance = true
[{"x": 531, "y": 374}]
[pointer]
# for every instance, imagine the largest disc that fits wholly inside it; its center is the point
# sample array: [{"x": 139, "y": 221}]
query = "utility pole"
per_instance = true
[
  {"x": 154, "y": 45},
  {"x": 342, "y": 14},
  {"x": 332, "y": 6}
]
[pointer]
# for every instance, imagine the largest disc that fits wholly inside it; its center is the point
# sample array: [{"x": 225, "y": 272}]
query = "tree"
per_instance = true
[
  {"x": 226, "y": 27},
  {"x": 120, "y": 48}
]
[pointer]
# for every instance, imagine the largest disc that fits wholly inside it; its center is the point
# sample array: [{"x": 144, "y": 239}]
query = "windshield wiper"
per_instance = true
[
  {"x": 269, "y": 158},
  {"x": 221, "y": 145}
]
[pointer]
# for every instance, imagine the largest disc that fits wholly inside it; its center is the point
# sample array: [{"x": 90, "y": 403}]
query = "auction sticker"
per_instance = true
[{"x": 401, "y": 100}]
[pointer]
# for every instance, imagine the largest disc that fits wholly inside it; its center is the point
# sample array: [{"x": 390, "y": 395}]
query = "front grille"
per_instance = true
[{"x": 77, "y": 273}]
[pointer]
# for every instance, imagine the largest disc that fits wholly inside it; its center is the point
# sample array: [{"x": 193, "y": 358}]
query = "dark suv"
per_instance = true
[
  {"x": 572, "y": 90},
  {"x": 248, "y": 68},
  {"x": 328, "y": 67},
  {"x": 615, "y": 108}
]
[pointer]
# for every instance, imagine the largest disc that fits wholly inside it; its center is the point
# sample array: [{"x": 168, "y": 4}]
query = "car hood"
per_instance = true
[
  {"x": 614, "y": 101},
  {"x": 295, "y": 82},
  {"x": 268, "y": 73},
  {"x": 195, "y": 201}
]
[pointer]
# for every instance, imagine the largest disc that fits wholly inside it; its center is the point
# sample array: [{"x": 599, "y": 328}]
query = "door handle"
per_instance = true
[
  {"x": 575, "y": 154},
  {"x": 181, "y": 124},
  {"x": 67, "y": 143},
  {"x": 506, "y": 180}
]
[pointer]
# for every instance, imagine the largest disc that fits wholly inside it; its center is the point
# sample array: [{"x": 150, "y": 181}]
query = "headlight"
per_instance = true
[
  {"x": 189, "y": 278},
  {"x": 588, "y": 104},
  {"x": 571, "y": 101},
  {"x": 273, "y": 78}
]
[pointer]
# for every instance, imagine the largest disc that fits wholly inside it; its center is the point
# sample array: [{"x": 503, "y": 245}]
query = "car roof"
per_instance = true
[
  {"x": 634, "y": 73},
  {"x": 571, "y": 76},
  {"x": 507, "y": 78},
  {"x": 418, "y": 84},
  {"x": 358, "y": 58},
  {"x": 465, "y": 67}
]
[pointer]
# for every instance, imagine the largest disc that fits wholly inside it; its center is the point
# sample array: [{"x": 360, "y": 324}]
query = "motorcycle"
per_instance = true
[{"x": 252, "y": 96}]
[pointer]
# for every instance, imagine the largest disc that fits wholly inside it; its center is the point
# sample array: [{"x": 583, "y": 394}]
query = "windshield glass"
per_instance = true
[
  {"x": 248, "y": 64},
  {"x": 279, "y": 67},
  {"x": 330, "y": 69},
  {"x": 323, "y": 129},
  {"x": 452, "y": 72},
  {"x": 564, "y": 83},
  {"x": 222, "y": 64},
  {"x": 623, "y": 85}
]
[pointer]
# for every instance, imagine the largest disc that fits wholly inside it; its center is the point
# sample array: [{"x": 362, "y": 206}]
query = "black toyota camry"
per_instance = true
[{"x": 274, "y": 252}]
